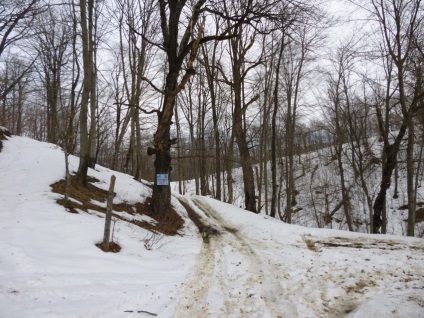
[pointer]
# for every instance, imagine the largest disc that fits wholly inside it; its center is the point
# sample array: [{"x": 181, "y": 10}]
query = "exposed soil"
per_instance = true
[
  {"x": 3, "y": 136},
  {"x": 113, "y": 247},
  {"x": 317, "y": 245},
  {"x": 168, "y": 224},
  {"x": 205, "y": 229}
]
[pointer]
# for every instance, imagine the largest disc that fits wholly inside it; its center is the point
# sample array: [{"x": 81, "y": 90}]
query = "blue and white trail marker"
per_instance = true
[{"x": 162, "y": 179}]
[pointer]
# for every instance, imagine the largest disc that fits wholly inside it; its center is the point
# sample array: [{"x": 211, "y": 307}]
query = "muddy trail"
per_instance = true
[
  {"x": 230, "y": 279},
  {"x": 240, "y": 275}
]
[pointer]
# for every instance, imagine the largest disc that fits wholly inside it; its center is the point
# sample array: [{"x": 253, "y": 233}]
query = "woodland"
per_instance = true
[{"x": 304, "y": 110}]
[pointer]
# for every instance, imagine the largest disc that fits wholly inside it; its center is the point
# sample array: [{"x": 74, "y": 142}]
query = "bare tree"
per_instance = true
[
  {"x": 339, "y": 101},
  {"x": 210, "y": 58},
  {"x": 136, "y": 56},
  {"x": 178, "y": 49},
  {"x": 240, "y": 67},
  {"x": 399, "y": 22},
  {"x": 13, "y": 105},
  {"x": 89, "y": 96},
  {"x": 52, "y": 44},
  {"x": 16, "y": 18}
]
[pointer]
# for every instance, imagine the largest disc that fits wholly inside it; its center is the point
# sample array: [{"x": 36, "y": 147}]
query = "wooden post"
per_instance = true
[
  {"x": 108, "y": 219},
  {"x": 67, "y": 175}
]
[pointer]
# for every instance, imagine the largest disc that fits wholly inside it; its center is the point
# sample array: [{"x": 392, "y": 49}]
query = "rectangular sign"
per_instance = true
[{"x": 162, "y": 179}]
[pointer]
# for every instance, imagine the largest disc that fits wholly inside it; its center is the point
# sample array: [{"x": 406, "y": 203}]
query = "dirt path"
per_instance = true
[
  {"x": 230, "y": 279},
  {"x": 296, "y": 275}
]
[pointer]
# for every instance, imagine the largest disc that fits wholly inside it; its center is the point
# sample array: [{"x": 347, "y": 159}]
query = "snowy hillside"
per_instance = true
[
  {"x": 248, "y": 266},
  {"x": 318, "y": 190}
]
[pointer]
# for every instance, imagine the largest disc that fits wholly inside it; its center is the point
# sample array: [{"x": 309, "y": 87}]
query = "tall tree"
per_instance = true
[
  {"x": 177, "y": 49},
  {"x": 339, "y": 101},
  {"x": 52, "y": 42},
  {"x": 398, "y": 22},
  {"x": 210, "y": 59},
  {"x": 16, "y": 18},
  {"x": 136, "y": 23},
  {"x": 240, "y": 45},
  {"x": 89, "y": 96},
  {"x": 176, "y": 15},
  {"x": 416, "y": 68},
  {"x": 275, "y": 108},
  {"x": 13, "y": 105}
]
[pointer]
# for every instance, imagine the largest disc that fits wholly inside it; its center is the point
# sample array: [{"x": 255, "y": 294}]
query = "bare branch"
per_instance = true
[
  {"x": 152, "y": 85},
  {"x": 147, "y": 112}
]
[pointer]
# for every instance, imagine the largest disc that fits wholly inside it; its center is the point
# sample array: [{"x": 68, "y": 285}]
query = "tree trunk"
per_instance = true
[
  {"x": 230, "y": 153},
  {"x": 161, "y": 196},
  {"x": 210, "y": 68},
  {"x": 86, "y": 142},
  {"x": 246, "y": 161},
  {"x": 274, "y": 185},
  {"x": 345, "y": 191},
  {"x": 390, "y": 152},
  {"x": 410, "y": 178},
  {"x": 238, "y": 120},
  {"x": 179, "y": 145}
]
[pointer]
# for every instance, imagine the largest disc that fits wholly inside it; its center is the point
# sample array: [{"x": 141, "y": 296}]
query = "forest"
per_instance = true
[{"x": 308, "y": 111}]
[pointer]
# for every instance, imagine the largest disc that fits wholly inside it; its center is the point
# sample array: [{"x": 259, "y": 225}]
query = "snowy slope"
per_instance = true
[
  {"x": 49, "y": 264},
  {"x": 254, "y": 267},
  {"x": 317, "y": 183}
]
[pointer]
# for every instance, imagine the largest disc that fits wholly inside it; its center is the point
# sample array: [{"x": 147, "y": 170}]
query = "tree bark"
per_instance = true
[
  {"x": 176, "y": 51},
  {"x": 410, "y": 171},
  {"x": 86, "y": 142},
  {"x": 211, "y": 74},
  {"x": 390, "y": 151},
  {"x": 274, "y": 186}
]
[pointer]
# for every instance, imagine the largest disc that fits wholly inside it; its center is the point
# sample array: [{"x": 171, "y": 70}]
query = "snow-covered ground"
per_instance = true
[
  {"x": 317, "y": 184},
  {"x": 254, "y": 267}
]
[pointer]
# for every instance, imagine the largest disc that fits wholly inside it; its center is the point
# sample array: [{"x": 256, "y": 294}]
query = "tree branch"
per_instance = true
[
  {"x": 147, "y": 112},
  {"x": 145, "y": 38},
  {"x": 152, "y": 85}
]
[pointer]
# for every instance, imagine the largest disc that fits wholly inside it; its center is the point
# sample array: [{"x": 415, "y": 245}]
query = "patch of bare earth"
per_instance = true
[
  {"x": 84, "y": 198},
  {"x": 3, "y": 136}
]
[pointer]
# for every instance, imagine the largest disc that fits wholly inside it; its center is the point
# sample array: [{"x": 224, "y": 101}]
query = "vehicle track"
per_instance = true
[
  {"x": 230, "y": 279},
  {"x": 237, "y": 275}
]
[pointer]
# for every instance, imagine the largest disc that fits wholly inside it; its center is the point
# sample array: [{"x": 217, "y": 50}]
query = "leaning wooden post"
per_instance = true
[{"x": 108, "y": 219}]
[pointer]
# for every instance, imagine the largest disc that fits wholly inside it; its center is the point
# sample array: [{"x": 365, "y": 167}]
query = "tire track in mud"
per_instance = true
[
  {"x": 230, "y": 279},
  {"x": 311, "y": 276}
]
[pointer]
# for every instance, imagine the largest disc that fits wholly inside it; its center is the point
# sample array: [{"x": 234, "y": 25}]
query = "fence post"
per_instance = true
[{"x": 106, "y": 235}]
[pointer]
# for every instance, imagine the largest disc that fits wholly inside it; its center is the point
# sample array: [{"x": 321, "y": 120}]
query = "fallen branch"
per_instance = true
[{"x": 142, "y": 311}]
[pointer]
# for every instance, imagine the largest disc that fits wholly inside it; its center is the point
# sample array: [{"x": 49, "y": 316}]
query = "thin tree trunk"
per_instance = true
[
  {"x": 178, "y": 125},
  {"x": 211, "y": 77},
  {"x": 230, "y": 153},
  {"x": 274, "y": 185},
  {"x": 410, "y": 178}
]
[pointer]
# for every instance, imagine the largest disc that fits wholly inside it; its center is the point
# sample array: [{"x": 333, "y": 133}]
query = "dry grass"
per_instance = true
[{"x": 167, "y": 223}]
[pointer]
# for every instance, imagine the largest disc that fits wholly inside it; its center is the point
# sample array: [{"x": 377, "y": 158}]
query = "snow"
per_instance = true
[
  {"x": 318, "y": 186},
  {"x": 256, "y": 267}
]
